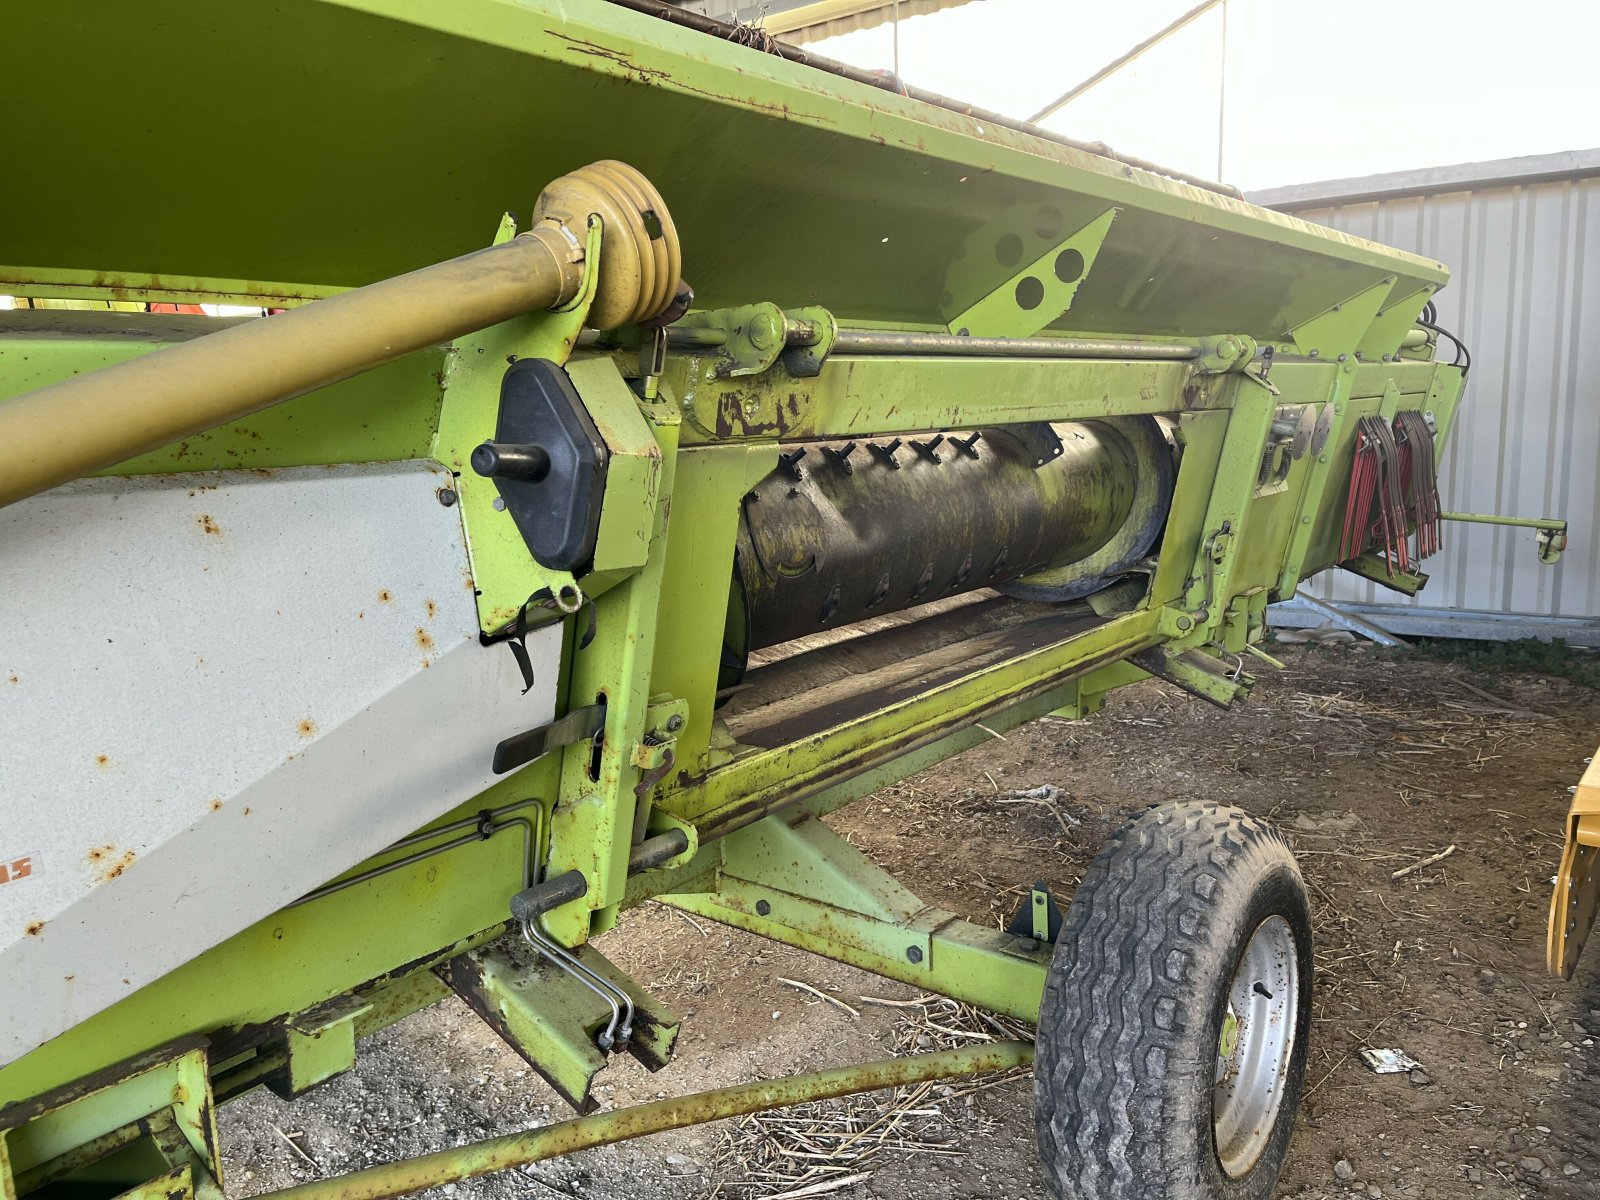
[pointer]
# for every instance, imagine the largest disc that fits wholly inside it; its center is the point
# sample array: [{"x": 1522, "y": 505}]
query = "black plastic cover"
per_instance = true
[{"x": 558, "y": 515}]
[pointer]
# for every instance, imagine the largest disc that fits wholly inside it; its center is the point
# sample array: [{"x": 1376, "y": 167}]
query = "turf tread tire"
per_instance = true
[{"x": 1134, "y": 1001}]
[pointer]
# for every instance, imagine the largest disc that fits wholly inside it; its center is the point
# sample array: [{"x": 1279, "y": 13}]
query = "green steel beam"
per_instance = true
[
  {"x": 133, "y": 286},
  {"x": 875, "y": 396},
  {"x": 708, "y": 487},
  {"x": 592, "y": 828},
  {"x": 798, "y": 882},
  {"x": 749, "y": 786},
  {"x": 384, "y": 415}
]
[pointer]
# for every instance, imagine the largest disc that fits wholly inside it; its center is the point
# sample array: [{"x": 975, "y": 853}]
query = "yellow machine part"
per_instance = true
[{"x": 1577, "y": 891}]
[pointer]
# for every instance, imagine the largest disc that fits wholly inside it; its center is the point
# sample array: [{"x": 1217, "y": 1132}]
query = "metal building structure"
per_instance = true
[{"x": 1522, "y": 236}]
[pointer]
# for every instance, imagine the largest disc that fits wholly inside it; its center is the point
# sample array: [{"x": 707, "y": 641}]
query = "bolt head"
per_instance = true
[
  {"x": 674, "y": 722},
  {"x": 763, "y": 908},
  {"x": 914, "y": 954},
  {"x": 447, "y": 497}
]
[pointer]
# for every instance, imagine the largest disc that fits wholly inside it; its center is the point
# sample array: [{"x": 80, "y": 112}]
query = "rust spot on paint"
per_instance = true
[
  {"x": 13, "y": 679},
  {"x": 386, "y": 596},
  {"x": 247, "y": 810},
  {"x": 362, "y": 615},
  {"x": 207, "y": 524},
  {"x": 35, "y": 928},
  {"x": 433, "y": 609},
  {"x": 426, "y": 663},
  {"x": 424, "y": 639},
  {"x": 109, "y": 863},
  {"x": 216, "y": 804},
  {"x": 102, "y": 760},
  {"x": 307, "y": 727},
  {"x": 264, "y": 472}
]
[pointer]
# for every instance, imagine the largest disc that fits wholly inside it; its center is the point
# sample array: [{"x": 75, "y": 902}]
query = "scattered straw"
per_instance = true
[{"x": 823, "y": 1148}]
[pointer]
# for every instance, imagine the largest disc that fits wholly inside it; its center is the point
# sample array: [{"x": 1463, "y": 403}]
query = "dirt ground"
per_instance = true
[{"x": 1370, "y": 761}]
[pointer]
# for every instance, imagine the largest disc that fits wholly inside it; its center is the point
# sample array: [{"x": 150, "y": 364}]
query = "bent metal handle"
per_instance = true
[{"x": 93, "y": 421}]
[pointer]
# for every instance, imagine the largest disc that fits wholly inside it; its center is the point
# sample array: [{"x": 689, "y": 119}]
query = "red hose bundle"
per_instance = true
[
  {"x": 1419, "y": 479},
  {"x": 1394, "y": 492}
]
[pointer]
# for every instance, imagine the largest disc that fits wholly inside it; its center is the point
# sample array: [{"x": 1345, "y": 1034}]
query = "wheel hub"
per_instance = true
[{"x": 1256, "y": 1046}]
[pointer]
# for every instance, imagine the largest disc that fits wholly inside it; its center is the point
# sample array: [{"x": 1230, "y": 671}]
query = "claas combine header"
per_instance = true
[{"x": 785, "y": 432}]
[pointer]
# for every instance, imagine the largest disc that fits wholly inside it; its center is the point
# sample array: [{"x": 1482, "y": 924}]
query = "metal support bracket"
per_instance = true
[
  {"x": 320, "y": 1044},
  {"x": 798, "y": 882},
  {"x": 1377, "y": 569},
  {"x": 1230, "y": 352},
  {"x": 1089, "y": 691},
  {"x": 1038, "y": 294},
  {"x": 1386, "y": 336},
  {"x": 1198, "y": 673},
  {"x": 1039, "y": 917},
  {"x": 752, "y": 337},
  {"x": 503, "y": 573},
  {"x": 1338, "y": 331},
  {"x": 1232, "y": 503},
  {"x": 810, "y": 334},
  {"x": 551, "y": 1017}
]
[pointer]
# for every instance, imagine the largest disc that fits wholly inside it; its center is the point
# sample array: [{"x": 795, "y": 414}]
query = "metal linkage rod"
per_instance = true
[
  {"x": 603, "y": 1129},
  {"x": 883, "y": 341},
  {"x": 93, "y": 421}
]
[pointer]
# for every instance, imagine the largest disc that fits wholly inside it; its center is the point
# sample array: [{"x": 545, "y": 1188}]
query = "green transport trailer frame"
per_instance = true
[{"x": 1051, "y": 422}]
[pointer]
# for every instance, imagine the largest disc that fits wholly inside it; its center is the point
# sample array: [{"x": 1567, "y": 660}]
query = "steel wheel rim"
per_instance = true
[{"x": 1256, "y": 1046}]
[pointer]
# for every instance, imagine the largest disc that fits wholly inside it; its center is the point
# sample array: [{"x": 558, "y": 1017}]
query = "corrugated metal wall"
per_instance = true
[{"x": 1525, "y": 297}]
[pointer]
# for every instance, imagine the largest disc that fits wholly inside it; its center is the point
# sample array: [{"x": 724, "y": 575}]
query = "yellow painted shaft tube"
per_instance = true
[
  {"x": 93, "y": 421},
  {"x": 602, "y": 1129}
]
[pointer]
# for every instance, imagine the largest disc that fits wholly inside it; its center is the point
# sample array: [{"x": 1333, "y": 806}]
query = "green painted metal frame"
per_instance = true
[
  {"x": 285, "y": 1001},
  {"x": 657, "y": 629},
  {"x": 163, "y": 1097}
]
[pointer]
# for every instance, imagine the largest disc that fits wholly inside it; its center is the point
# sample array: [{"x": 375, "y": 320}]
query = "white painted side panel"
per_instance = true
[{"x": 217, "y": 692}]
